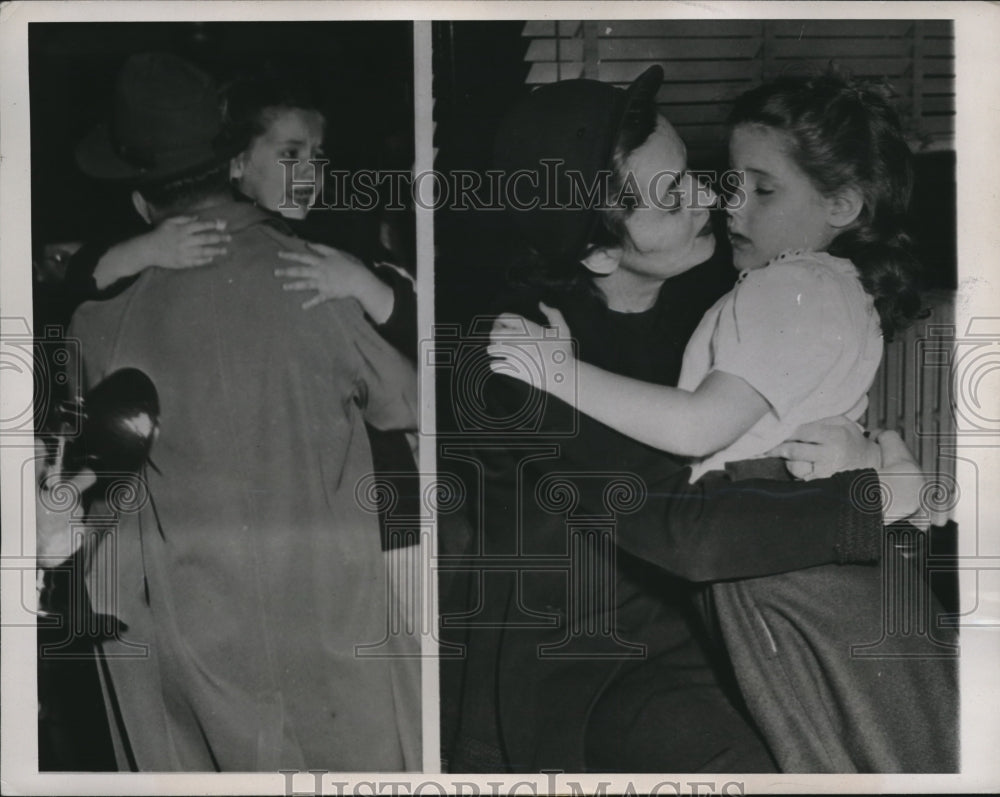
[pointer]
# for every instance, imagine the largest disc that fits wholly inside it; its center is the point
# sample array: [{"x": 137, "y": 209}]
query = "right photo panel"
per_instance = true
[{"x": 694, "y": 298}]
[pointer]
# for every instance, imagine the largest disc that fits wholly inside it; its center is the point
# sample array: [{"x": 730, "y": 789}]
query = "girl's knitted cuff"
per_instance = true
[{"x": 859, "y": 537}]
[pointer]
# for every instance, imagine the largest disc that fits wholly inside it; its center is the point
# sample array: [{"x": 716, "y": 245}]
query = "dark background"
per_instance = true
[{"x": 361, "y": 75}]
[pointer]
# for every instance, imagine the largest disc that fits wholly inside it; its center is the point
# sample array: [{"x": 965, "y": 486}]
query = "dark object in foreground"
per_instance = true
[{"x": 119, "y": 424}]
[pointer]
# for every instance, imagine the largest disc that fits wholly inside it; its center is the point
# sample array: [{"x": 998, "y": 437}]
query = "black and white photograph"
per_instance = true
[
  {"x": 225, "y": 331},
  {"x": 490, "y": 398},
  {"x": 702, "y": 257}
]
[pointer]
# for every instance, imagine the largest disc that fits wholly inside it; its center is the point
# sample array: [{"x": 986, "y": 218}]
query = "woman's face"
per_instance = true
[
  {"x": 670, "y": 231},
  {"x": 293, "y": 134}
]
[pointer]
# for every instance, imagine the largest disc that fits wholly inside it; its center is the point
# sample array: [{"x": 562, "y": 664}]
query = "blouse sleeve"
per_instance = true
[
  {"x": 79, "y": 280},
  {"x": 779, "y": 332}
]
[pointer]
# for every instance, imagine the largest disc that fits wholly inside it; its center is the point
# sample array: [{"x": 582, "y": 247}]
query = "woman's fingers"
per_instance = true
[
  {"x": 555, "y": 319},
  {"x": 323, "y": 249},
  {"x": 500, "y": 356},
  {"x": 211, "y": 231},
  {"x": 206, "y": 228},
  {"x": 315, "y": 301},
  {"x": 301, "y": 285},
  {"x": 212, "y": 238},
  {"x": 793, "y": 450},
  {"x": 800, "y": 469},
  {"x": 300, "y": 257},
  {"x": 212, "y": 251},
  {"x": 296, "y": 271},
  {"x": 509, "y": 324}
]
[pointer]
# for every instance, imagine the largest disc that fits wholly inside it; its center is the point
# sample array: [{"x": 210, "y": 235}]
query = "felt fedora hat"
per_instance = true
[
  {"x": 572, "y": 123},
  {"x": 166, "y": 122}
]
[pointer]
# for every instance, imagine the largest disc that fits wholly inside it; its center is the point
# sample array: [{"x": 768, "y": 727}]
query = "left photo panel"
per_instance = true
[{"x": 225, "y": 326}]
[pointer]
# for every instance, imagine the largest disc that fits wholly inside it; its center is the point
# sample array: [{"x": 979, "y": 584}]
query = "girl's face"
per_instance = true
[
  {"x": 293, "y": 134},
  {"x": 778, "y": 208},
  {"x": 670, "y": 231}
]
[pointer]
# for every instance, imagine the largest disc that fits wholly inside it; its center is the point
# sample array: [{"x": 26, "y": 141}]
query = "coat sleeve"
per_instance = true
[
  {"x": 387, "y": 380},
  {"x": 400, "y": 328},
  {"x": 719, "y": 527}
]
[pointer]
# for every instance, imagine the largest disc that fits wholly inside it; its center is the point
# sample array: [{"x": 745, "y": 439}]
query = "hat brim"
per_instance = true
[{"x": 97, "y": 158}]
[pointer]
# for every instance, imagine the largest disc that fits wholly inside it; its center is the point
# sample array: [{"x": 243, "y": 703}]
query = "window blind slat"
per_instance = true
[
  {"x": 938, "y": 124},
  {"x": 938, "y": 27},
  {"x": 841, "y": 48},
  {"x": 546, "y": 27},
  {"x": 708, "y": 136},
  {"x": 853, "y": 28},
  {"x": 548, "y": 72},
  {"x": 944, "y": 104},
  {"x": 672, "y": 92},
  {"x": 627, "y": 71},
  {"x": 546, "y": 49},
  {"x": 858, "y": 67},
  {"x": 939, "y": 47},
  {"x": 665, "y": 28},
  {"x": 710, "y": 113},
  {"x": 621, "y": 49},
  {"x": 939, "y": 86}
]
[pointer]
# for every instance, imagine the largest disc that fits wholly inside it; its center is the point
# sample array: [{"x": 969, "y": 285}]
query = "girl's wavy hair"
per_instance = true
[
  {"x": 553, "y": 278},
  {"x": 253, "y": 100},
  {"x": 843, "y": 134}
]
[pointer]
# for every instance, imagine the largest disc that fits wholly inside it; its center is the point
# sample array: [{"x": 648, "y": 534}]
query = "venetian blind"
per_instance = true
[{"x": 709, "y": 62}]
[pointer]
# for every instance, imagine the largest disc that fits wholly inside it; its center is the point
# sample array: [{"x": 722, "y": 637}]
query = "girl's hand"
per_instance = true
[
  {"x": 184, "y": 242},
  {"x": 539, "y": 356},
  {"x": 336, "y": 275},
  {"x": 178, "y": 242},
  {"x": 818, "y": 450}
]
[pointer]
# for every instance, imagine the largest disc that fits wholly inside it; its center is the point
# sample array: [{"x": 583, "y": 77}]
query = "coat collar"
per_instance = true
[{"x": 240, "y": 214}]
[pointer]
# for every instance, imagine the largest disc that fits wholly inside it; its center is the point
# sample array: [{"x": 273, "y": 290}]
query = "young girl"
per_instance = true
[
  {"x": 825, "y": 274},
  {"x": 279, "y": 124}
]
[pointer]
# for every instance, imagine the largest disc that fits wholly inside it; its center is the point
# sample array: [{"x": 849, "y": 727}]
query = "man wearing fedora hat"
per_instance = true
[{"x": 249, "y": 582}]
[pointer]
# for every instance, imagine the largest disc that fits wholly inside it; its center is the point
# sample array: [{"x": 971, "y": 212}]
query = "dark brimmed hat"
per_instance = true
[
  {"x": 574, "y": 123},
  {"x": 166, "y": 123}
]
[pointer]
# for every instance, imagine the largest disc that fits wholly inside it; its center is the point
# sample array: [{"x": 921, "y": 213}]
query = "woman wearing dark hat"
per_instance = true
[{"x": 649, "y": 693}]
